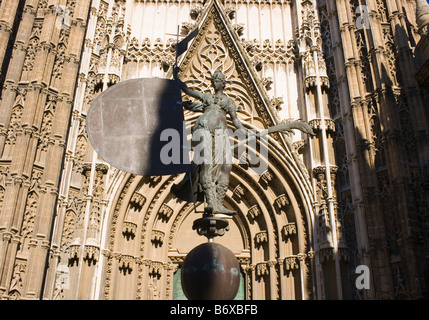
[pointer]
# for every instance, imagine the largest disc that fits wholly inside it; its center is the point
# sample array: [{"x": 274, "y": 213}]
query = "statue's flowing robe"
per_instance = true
[{"x": 211, "y": 146}]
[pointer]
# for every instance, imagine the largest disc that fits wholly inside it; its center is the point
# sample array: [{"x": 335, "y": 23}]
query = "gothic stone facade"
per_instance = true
[{"x": 74, "y": 227}]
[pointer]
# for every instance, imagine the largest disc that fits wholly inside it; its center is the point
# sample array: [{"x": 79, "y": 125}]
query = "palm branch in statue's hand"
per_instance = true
[{"x": 284, "y": 127}]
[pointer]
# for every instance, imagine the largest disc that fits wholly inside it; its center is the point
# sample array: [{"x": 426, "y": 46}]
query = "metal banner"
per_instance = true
[{"x": 138, "y": 126}]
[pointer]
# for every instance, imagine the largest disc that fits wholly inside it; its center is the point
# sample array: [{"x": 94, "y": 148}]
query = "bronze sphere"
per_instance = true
[{"x": 210, "y": 272}]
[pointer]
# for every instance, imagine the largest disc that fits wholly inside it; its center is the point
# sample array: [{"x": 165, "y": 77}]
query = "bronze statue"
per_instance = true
[
  {"x": 211, "y": 168},
  {"x": 213, "y": 165}
]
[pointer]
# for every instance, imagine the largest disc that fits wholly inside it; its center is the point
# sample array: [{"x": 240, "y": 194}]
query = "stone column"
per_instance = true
[{"x": 8, "y": 10}]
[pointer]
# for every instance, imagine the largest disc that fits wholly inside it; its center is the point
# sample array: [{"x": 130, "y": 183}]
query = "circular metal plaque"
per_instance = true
[{"x": 138, "y": 126}]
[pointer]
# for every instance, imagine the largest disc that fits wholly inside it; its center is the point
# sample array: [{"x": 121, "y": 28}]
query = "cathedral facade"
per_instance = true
[{"x": 341, "y": 215}]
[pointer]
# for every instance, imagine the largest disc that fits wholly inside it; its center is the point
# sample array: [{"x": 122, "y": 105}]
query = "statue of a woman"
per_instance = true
[{"x": 213, "y": 165}]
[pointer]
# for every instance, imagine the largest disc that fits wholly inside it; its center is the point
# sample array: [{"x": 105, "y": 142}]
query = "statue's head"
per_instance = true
[{"x": 218, "y": 75}]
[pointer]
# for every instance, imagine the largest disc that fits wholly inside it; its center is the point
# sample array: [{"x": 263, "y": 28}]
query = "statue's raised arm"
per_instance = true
[
  {"x": 184, "y": 87},
  {"x": 213, "y": 156}
]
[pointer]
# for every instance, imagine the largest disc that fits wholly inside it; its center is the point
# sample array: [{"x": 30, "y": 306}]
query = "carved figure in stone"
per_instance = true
[{"x": 210, "y": 177}]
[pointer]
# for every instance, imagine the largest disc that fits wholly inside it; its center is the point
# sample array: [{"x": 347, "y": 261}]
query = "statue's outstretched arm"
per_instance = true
[{"x": 184, "y": 87}]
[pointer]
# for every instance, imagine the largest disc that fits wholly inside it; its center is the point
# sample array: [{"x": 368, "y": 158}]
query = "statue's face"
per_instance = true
[{"x": 218, "y": 84}]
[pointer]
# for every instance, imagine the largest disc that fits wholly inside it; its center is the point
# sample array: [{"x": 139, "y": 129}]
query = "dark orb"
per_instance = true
[{"x": 210, "y": 272}]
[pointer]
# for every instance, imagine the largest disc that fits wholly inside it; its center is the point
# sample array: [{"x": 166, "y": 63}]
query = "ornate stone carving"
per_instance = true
[
  {"x": 16, "y": 283},
  {"x": 230, "y": 12},
  {"x": 262, "y": 269},
  {"x": 322, "y": 188},
  {"x": 267, "y": 82},
  {"x": 74, "y": 251},
  {"x": 239, "y": 28},
  {"x": 62, "y": 282},
  {"x": 216, "y": 50},
  {"x": 254, "y": 211},
  {"x": 238, "y": 192},
  {"x": 269, "y": 52},
  {"x": 326, "y": 254},
  {"x": 276, "y": 104},
  {"x": 291, "y": 263},
  {"x": 157, "y": 237},
  {"x": 261, "y": 237},
  {"x": 244, "y": 159},
  {"x": 159, "y": 53},
  {"x": 15, "y": 124},
  {"x": 289, "y": 229},
  {"x": 196, "y": 11},
  {"x": 324, "y": 227},
  {"x": 310, "y": 48},
  {"x": 330, "y": 125},
  {"x": 187, "y": 27},
  {"x": 129, "y": 230},
  {"x": 154, "y": 180},
  {"x": 165, "y": 212},
  {"x": 155, "y": 268},
  {"x": 91, "y": 253},
  {"x": 266, "y": 177},
  {"x": 315, "y": 124},
  {"x": 282, "y": 201},
  {"x": 126, "y": 263},
  {"x": 137, "y": 201}
]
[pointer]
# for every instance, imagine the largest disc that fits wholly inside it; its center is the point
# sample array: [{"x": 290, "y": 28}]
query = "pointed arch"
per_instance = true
[
  {"x": 202, "y": 59},
  {"x": 149, "y": 232}
]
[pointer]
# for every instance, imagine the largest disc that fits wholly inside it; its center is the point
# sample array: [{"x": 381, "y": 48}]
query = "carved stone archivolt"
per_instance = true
[{"x": 153, "y": 267}]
